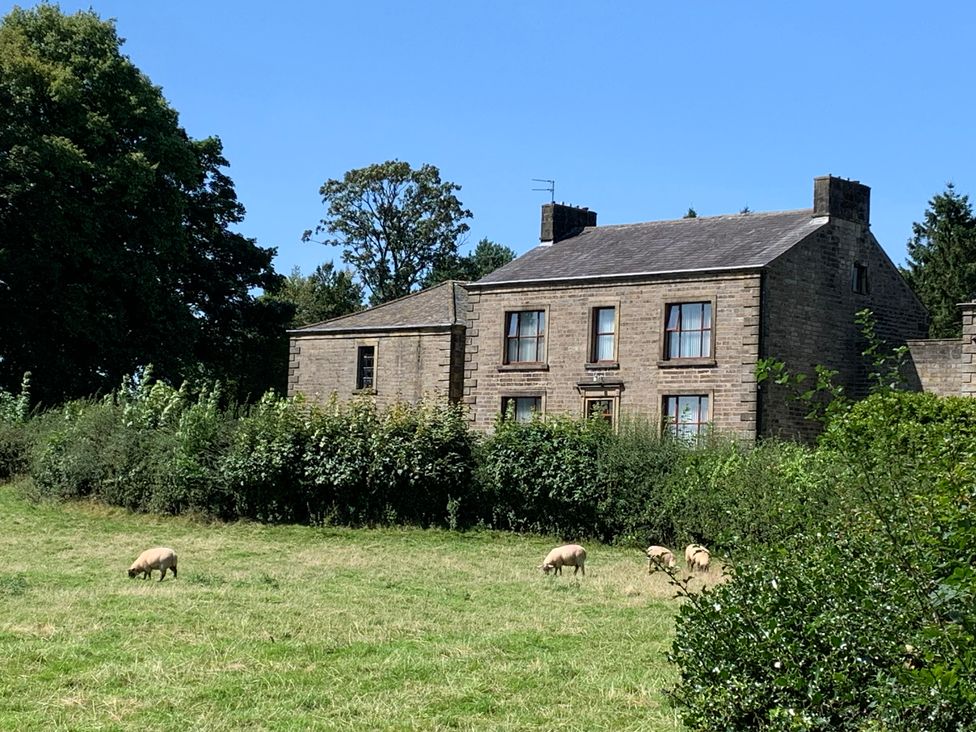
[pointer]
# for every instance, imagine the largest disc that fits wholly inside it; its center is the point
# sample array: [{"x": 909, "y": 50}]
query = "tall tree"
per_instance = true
[
  {"x": 486, "y": 257},
  {"x": 942, "y": 260},
  {"x": 115, "y": 241},
  {"x": 323, "y": 295},
  {"x": 394, "y": 224}
]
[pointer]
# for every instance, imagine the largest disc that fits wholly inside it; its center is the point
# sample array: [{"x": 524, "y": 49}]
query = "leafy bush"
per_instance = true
[
  {"x": 738, "y": 497},
  {"x": 798, "y": 642},
  {"x": 193, "y": 475},
  {"x": 337, "y": 464},
  {"x": 543, "y": 476},
  {"x": 70, "y": 459},
  {"x": 872, "y": 622},
  {"x": 422, "y": 460},
  {"x": 263, "y": 467},
  {"x": 15, "y": 432},
  {"x": 635, "y": 465}
]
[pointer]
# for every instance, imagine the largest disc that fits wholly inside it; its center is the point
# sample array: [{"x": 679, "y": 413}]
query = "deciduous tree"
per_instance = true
[
  {"x": 116, "y": 248},
  {"x": 393, "y": 223}
]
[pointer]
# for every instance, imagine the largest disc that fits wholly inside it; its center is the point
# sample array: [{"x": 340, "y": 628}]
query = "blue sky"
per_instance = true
[{"x": 637, "y": 109}]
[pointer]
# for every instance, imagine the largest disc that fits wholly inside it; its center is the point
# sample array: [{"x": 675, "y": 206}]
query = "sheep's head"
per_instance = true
[
  {"x": 132, "y": 573},
  {"x": 546, "y": 568}
]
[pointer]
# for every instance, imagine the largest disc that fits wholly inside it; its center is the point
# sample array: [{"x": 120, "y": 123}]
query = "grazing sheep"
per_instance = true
[
  {"x": 660, "y": 557},
  {"x": 697, "y": 557},
  {"x": 159, "y": 558},
  {"x": 570, "y": 555}
]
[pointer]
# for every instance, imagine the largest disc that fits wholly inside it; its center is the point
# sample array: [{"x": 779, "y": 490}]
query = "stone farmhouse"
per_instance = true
[{"x": 664, "y": 319}]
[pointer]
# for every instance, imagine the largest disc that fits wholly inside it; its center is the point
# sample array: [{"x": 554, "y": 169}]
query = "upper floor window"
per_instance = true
[
  {"x": 686, "y": 416},
  {"x": 859, "y": 278},
  {"x": 525, "y": 336},
  {"x": 603, "y": 334},
  {"x": 521, "y": 408},
  {"x": 688, "y": 330},
  {"x": 365, "y": 367}
]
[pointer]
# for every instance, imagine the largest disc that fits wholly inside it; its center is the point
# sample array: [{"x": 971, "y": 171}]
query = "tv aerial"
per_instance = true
[{"x": 551, "y": 188}]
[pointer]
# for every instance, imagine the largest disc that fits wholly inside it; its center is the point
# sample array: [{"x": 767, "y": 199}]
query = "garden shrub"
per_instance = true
[
  {"x": 422, "y": 459},
  {"x": 634, "y": 466},
  {"x": 69, "y": 460},
  {"x": 198, "y": 440},
  {"x": 15, "y": 430},
  {"x": 796, "y": 642},
  {"x": 337, "y": 464},
  {"x": 263, "y": 469},
  {"x": 740, "y": 498},
  {"x": 872, "y": 621},
  {"x": 543, "y": 476}
]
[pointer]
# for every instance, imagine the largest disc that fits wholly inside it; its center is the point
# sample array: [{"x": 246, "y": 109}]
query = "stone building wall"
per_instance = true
[
  {"x": 810, "y": 298},
  {"x": 640, "y": 378},
  {"x": 409, "y": 365}
]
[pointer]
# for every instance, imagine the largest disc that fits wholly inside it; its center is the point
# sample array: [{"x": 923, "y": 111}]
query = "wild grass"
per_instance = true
[{"x": 297, "y": 628}]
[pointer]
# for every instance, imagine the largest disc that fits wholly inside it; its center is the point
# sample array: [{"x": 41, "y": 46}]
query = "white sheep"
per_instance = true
[
  {"x": 569, "y": 555},
  {"x": 697, "y": 558},
  {"x": 160, "y": 558},
  {"x": 660, "y": 557}
]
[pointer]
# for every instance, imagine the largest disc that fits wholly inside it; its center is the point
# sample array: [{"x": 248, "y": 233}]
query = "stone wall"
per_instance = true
[
  {"x": 409, "y": 365},
  {"x": 937, "y": 365},
  {"x": 639, "y": 377}
]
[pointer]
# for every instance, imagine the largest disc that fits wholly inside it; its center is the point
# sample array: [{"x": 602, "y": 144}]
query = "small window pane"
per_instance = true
[
  {"x": 706, "y": 315},
  {"x": 604, "y": 320},
  {"x": 673, "y": 311},
  {"x": 604, "y": 348},
  {"x": 513, "y": 351}
]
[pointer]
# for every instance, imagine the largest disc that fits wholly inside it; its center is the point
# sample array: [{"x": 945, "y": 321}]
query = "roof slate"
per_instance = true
[
  {"x": 657, "y": 247},
  {"x": 442, "y": 305}
]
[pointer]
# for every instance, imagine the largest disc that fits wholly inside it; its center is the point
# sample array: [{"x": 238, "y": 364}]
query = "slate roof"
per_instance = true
[
  {"x": 440, "y": 306},
  {"x": 713, "y": 243}
]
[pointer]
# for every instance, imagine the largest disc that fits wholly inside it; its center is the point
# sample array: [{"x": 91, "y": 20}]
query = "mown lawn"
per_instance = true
[{"x": 296, "y": 628}]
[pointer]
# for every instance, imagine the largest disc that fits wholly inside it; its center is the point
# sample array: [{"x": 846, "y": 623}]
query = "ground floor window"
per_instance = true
[
  {"x": 521, "y": 408},
  {"x": 602, "y": 408},
  {"x": 601, "y": 398},
  {"x": 686, "y": 415}
]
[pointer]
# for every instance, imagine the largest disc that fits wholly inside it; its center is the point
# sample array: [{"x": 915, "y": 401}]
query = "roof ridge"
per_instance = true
[
  {"x": 702, "y": 218},
  {"x": 382, "y": 305}
]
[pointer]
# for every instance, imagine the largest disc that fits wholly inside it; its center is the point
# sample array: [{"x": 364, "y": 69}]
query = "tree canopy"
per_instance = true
[
  {"x": 486, "y": 257},
  {"x": 116, "y": 248},
  {"x": 942, "y": 260},
  {"x": 393, "y": 223},
  {"x": 323, "y": 295}
]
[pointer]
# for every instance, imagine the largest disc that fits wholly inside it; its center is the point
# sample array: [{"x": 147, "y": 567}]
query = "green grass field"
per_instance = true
[{"x": 296, "y": 628}]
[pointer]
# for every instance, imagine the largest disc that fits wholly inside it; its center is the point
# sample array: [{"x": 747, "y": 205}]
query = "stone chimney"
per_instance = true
[
  {"x": 843, "y": 199},
  {"x": 560, "y": 221}
]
